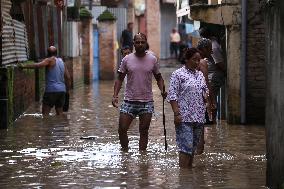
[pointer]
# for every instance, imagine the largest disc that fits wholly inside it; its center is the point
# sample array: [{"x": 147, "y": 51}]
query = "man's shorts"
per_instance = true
[
  {"x": 56, "y": 99},
  {"x": 135, "y": 108},
  {"x": 188, "y": 136}
]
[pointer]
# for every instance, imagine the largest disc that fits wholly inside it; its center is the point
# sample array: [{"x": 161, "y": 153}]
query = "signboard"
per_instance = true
[{"x": 184, "y": 11}]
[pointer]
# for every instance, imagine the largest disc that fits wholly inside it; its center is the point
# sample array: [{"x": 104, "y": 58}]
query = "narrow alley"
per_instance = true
[{"x": 48, "y": 153}]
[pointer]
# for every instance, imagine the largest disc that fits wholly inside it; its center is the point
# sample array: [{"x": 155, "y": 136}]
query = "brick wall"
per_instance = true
[
  {"x": 108, "y": 56},
  {"x": 255, "y": 64},
  {"x": 87, "y": 50},
  {"x": 23, "y": 90}
]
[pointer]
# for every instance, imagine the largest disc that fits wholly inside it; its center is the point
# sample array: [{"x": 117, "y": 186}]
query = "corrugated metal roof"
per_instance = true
[{"x": 14, "y": 37}]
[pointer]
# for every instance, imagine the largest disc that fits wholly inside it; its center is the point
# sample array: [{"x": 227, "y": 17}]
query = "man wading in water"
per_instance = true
[{"x": 138, "y": 98}]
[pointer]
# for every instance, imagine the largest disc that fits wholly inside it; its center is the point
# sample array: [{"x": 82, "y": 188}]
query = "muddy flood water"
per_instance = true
[{"x": 48, "y": 153}]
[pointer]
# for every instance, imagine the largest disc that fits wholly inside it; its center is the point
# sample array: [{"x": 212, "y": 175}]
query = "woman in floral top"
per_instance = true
[{"x": 187, "y": 94}]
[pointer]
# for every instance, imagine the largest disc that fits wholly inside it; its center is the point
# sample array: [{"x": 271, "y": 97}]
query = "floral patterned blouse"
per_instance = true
[{"x": 188, "y": 88}]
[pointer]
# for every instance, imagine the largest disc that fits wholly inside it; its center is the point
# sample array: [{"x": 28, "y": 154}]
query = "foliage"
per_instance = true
[
  {"x": 73, "y": 13},
  {"x": 106, "y": 16},
  {"x": 85, "y": 13}
]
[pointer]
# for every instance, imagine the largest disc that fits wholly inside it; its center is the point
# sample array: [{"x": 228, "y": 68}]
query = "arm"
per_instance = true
[
  {"x": 160, "y": 83},
  {"x": 173, "y": 98},
  {"x": 67, "y": 78},
  {"x": 203, "y": 66},
  {"x": 177, "y": 116},
  {"x": 117, "y": 86},
  {"x": 218, "y": 57},
  {"x": 44, "y": 63}
]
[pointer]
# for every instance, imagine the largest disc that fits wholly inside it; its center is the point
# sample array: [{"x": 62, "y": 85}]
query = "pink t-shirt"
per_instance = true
[{"x": 139, "y": 73}]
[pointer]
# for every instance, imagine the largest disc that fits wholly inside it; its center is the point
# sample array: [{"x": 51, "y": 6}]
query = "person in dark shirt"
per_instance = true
[{"x": 127, "y": 36}]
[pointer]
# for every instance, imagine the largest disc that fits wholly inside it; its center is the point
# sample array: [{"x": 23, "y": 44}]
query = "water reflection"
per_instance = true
[{"x": 51, "y": 153}]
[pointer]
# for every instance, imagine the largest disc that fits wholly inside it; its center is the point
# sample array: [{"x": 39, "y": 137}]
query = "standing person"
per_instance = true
[
  {"x": 216, "y": 75},
  {"x": 127, "y": 36},
  {"x": 187, "y": 94},
  {"x": 138, "y": 98},
  {"x": 216, "y": 65},
  {"x": 57, "y": 81},
  {"x": 174, "y": 43}
]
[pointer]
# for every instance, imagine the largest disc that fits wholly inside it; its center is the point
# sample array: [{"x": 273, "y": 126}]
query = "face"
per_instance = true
[
  {"x": 140, "y": 44},
  {"x": 194, "y": 60},
  {"x": 130, "y": 27},
  {"x": 125, "y": 52}
]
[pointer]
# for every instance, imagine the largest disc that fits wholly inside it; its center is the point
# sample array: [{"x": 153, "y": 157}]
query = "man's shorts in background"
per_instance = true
[
  {"x": 135, "y": 108},
  {"x": 56, "y": 99}
]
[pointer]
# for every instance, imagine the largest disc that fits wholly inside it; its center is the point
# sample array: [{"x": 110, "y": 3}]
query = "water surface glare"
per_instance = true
[{"x": 53, "y": 153}]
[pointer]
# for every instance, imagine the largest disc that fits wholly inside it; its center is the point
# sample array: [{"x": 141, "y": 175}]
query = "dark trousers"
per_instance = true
[{"x": 174, "y": 49}]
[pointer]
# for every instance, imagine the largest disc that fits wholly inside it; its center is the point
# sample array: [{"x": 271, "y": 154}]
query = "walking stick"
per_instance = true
[{"x": 164, "y": 121}]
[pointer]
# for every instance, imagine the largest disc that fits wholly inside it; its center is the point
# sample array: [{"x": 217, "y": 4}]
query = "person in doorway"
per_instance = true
[
  {"x": 215, "y": 74},
  {"x": 138, "y": 98},
  {"x": 187, "y": 95},
  {"x": 216, "y": 64},
  {"x": 127, "y": 36},
  {"x": 57, "y": 81},
  {"x": 174, "y": 43}
]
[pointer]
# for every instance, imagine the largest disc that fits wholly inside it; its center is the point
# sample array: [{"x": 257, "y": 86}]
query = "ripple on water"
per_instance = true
[{"x": 50, "y": 153}]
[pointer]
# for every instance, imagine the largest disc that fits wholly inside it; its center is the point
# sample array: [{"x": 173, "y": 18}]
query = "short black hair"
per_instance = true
[
  {"x": 205, "y": 32},
  {"x": 141, "y": 34},
  {"x": 124, "y": 48},
  {"x": 187, "y": 53},
  {"x": 203, "y": 43}
]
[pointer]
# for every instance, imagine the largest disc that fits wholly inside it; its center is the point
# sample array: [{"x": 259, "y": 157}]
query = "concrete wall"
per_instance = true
[
  {"x": 275, "y": 95},
  {"x": 72, "y": 38},
  {"x": 233, "y": 73},
  {"x": 255, "y": 64},
  {"x": 168, "y": 22},
  {"x": 153, "y": 25}
]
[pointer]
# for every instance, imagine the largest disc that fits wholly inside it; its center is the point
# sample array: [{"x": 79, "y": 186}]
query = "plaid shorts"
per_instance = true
[
  {"x": 188, "y": 136},
  {"x": 135, "y": 108}
]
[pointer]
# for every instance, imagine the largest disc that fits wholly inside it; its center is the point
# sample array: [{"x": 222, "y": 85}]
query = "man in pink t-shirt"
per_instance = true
[{"x": 138, "y": 97}]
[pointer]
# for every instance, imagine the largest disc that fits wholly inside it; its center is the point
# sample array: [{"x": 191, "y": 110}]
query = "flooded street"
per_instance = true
[{"x": 48, "y": 153}]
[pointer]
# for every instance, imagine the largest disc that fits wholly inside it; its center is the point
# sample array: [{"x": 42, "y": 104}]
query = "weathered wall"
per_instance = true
[
  {"x": 168, "y": 22},
  {"x": 20, "y": 90},
  {"x": 108, "y": 56},
  {"x": 76, "y": 70},
  {"x": 233, "y": 74},
  {"x": 230, "y": 15},
  {"x": 255, "y": 64},
  {"x": 275, "y": 95},
  {"x": 24, "y": 90},
  {"x": 153, "y": 25},
  {"x": 87, "y": 49}
]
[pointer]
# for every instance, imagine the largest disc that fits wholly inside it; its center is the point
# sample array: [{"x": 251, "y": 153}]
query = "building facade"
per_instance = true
[{"x": 245, "y": 54}]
